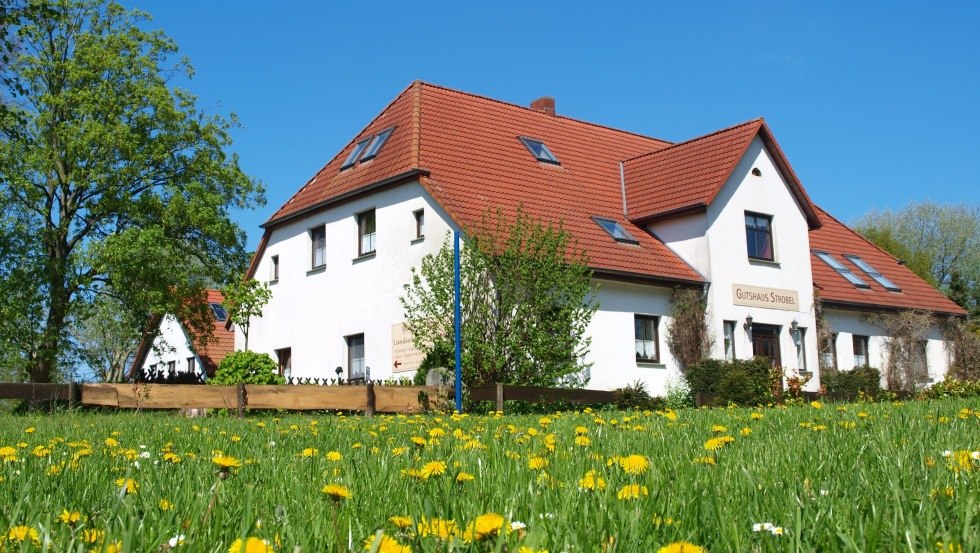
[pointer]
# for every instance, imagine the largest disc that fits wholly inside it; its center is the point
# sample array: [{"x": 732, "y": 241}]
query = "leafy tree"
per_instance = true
[
  {"x": 246, "y": 367},
  {"x": 688, "y": 335},
  {"x": 939, "y": 242},
  {"x": 105, "y": 339},
  {"x": 526, "y": 301},
  {"x": 245, "y": 299},
  {"x": 111, "y": 179}
]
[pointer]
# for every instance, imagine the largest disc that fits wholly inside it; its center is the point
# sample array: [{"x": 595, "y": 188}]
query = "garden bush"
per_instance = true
[
  {"x": 852, "y": 383},
  {"x": 247, "y": 367},
  {"x": 953, "y": 387},
  {"x": 635, "y": 396},
  {"x": 742, "y": 381}
]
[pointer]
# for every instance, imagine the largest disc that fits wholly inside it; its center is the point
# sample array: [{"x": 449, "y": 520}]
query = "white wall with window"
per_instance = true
[
  {"x": 172, "y": 345},
  {"x": 314, "y": 310},
  {"x": 754, "y": 233},
  {"x": 629, "y": 329}
]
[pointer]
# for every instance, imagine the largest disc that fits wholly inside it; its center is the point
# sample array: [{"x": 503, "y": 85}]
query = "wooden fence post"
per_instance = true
[
  {"x": 74, "y": 396},
  {"x": 241, "y": 400},
  {"x": 500, "y": 397},
  {"x": 371, "y": 400}
]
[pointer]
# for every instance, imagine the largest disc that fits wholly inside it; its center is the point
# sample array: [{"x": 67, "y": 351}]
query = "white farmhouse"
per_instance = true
[
  {"x": 723, "y": 212},
  {"x": 174, "y": 348}
]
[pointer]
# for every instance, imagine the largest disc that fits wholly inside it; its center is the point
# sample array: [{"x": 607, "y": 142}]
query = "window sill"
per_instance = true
[
  {"x": 650, "y": 365},
  {"x": 273, "y": 281},
  {"x": 316, "y": 270},
  {"x": 764, "y": 263},
  {"x": 364, "y": 257},
  {"x": 418, "y": 240}
]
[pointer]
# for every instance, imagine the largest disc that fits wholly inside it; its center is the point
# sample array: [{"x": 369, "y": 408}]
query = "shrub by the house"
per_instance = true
[
  {"x": 247, "y": 367},
  {"x": 742, "y": 381},
  {"x": 852, "y": 383}
]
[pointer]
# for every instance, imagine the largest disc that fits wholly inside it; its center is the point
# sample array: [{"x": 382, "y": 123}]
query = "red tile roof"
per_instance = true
[
  {"x": 836, "y": 239},
  {"x": 468, "y": 150},
  {"x": 211, "y": 352},
  {"x": 688, "y": 175},
  {"x": 464, "y": 150}
]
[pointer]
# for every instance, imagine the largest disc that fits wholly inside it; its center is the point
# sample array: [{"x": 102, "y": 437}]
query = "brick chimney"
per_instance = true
[{"x": 544, "y": 104}]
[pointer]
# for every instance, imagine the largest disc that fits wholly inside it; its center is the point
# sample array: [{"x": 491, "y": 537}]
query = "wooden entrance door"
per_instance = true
[{"x": 765, "y": 343}]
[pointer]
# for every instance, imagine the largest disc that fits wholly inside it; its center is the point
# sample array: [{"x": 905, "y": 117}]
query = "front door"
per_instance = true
[{"x": 765, "y": 343}]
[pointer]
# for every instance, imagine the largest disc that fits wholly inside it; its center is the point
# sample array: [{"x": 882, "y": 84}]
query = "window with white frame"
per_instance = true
[
  {"x": 355, "y": 357},
  {"x": 729, "y": 332},
  {"x": 646, "y": 338},
  {"x": 367, "y": 232},
  {"x": 275, "y": 268},
  {"x": 419, "y": 223},
  {"x": 860, "y": 350},
  {"x": 318, "y": 241},
  {"x": 828, "y": 352}
]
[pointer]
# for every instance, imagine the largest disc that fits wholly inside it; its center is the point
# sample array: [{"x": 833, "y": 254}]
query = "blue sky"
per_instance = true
[{"x": 876, "y": 104}]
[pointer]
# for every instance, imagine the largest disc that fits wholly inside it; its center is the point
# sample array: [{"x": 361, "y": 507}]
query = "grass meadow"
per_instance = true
[{"x": 854, "y": 477}]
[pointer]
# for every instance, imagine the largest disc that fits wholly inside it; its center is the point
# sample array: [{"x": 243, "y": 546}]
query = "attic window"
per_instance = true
[
  {"x": 841, "y": 269},
  {"x": 356, "y": 153},
  {"x": 873, "y": 273},
  {"x": 219, "y": 311},
  {"x": 372, "y": 151},
  {"x": 615, "y": 230},
  {"x": 540, "y": 151}
]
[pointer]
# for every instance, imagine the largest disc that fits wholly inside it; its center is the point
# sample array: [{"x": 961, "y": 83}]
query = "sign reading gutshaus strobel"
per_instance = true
[{"x": 772, "y": 298}]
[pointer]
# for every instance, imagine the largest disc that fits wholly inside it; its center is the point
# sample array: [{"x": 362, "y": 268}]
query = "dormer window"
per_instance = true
[
  {"x": 219, "y": 311},
  {"x": 372, "y": 150},
  {"x": 615, "y": 230},
  {"x": 356, "y": 153},
  {"x": 873, "y": 273},
  {"x": 540, "y": 151},
  {"x": 841, "y": 269}
]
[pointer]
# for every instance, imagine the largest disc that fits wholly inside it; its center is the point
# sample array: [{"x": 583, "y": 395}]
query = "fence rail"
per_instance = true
[{"x": 500, "y": 393}]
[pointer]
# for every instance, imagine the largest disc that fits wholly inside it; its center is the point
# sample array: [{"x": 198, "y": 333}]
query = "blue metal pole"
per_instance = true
[{"x": 456, "y": 324}]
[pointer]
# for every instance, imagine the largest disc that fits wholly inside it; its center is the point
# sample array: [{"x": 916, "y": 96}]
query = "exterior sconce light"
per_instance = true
[
  {"x": 794, "y": 331},
  {"x": 748, "y": 322},
  {"x": 339, "y": 370},
  {"x": 367, "y": 374}
]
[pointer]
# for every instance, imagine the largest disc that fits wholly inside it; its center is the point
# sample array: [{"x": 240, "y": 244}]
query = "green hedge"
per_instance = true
[
  {"x": 247, "y": 367},
  {"x": 952, "y": 387},
  {"x": 743, "y": 381},
  {"x": 853, "y": 382}
]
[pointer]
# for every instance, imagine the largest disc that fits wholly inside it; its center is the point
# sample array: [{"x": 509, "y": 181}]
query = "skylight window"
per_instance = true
[
  {"x": 841, "y": 269},
  {"x": 356, "y": 153},
  {"x": 219, "y": 311},
  {"x": 873, "y": 273},
  {"x": 540, "y": 151},
  {"x": 615, "y": 230},
  {"x": 372, "y": 151}
]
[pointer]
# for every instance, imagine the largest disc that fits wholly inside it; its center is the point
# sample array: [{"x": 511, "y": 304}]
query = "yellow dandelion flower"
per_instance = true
[
  {"x": 21, "y": 534},
  {"x": 399, "y": 451},
  {"x": 387, "y": 545},
  {"x": 401, "y": 522},
  {"x": 681, "y": 547},
  {"x": 172, "y": 457},
  {"x": 433, "y": 468},
  {"x": 418, "y": 441},
  {"x": 634, "y": 464},
  {"x": 581, "y": 430},
  {"x": 464, "y": 477},
  {"x": 592, "y": 481},
  {"x": 131, "y": 486},
  {"x": 706, "y": 460},
  {"x": 719, "y": 429},
  {"x": 41, "y": 451},
  {"x": 336, "y": 492},
  {"x": 226, "y": 463},
  {"x": 165, "y": 505},
  {"x": 757, "y": 416},
  {"x": 70, "y": 518},
  {"x": 816, "y": 405},
  {"x": 537, "y": 463},
  {"x": 93, "y": 535},
  {"x": 632, "y": 491},
  {"x": 111, "y": 442},
  {"x": 441, "y": 528},
  {"x": 948, "y": 547},
  {"x": 583, "y": 441},
  {"x": 30, "y": 430},
  {"x": 309, "y": 452},
  {"x": 436, "y": 432},
  {"x": 334, "y": 456},
  {"x": 250, "y": 545},
  {"x": 8, "y": 454}
]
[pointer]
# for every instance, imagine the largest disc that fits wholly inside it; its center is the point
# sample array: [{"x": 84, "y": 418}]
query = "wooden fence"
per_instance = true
[{"x": 368, "y": 398}]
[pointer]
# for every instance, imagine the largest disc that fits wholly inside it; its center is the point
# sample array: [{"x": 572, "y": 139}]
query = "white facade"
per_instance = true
[
  {"x": 320, "y": 313},
  {"x": 171, "y": 348}
]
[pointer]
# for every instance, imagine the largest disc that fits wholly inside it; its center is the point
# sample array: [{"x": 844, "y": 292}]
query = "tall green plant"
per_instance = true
[
  {"x": 527, "y": 299},
  {"x": 245, "y": 299}
]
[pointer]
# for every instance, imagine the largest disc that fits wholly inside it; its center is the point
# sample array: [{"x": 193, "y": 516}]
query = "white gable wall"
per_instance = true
[
  {"x": 312, "y": 311},
  {"x": 172, "y": 344}
]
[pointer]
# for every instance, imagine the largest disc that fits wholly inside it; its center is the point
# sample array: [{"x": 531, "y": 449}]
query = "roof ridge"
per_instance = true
[
  {"x": 526, "y": 108},
  {"x": 416, "y": 123},
  {"x": 759, "y": 120}
]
